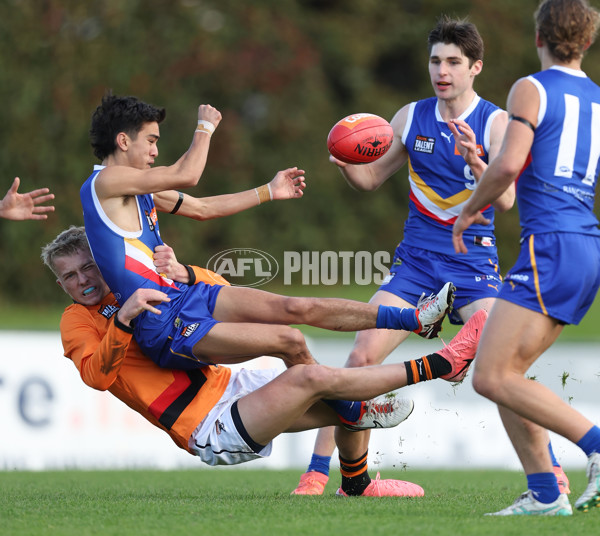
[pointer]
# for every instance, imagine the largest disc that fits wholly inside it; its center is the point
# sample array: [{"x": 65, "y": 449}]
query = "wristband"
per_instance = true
[
  {"x": 205, "y": 126},
  {"x": 123, "y": 327},
  {"x": 178, "y": 204},
  {"x": 191, "y": 274},
  {"x": 263, "y": 193}
]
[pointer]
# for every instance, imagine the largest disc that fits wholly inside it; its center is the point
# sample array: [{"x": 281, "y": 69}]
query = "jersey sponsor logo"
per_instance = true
[
  {"x": 107, "y": 311},
  {"x": 488, "y": 277},
  {"x": 447, "y": 136},
  {"x": 478, "y": 148},
  {"x": 188, "y": 330},
  {"x": 424, "y": 144},
  {"x": 486, "y": 241},
  {"x": 151, "y": 221},
  {"x": 517, "y": 277}
]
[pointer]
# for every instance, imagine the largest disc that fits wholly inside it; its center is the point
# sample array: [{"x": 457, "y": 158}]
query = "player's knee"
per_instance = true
[
  {"x": 293, "y": 340},
  {"x": 485, "y": 385},
  {"x": 317, "y": 379},
  {"x": 360, "y": 358},
  {"x": 297, "y": 309}
]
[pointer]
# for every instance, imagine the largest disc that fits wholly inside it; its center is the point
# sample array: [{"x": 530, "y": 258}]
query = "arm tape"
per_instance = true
[
  {"x": 178, "y": 204},
  {"x": 521, "y": 120}
]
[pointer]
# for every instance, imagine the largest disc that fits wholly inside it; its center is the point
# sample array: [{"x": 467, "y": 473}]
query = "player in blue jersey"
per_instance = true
[
  {"x": 205, "y": 324},
  {"x": 552, "y": 146},
  {"x": 447, "y": 141}
]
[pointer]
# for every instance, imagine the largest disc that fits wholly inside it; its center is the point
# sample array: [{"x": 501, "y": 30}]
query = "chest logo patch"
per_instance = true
[{"x": 424, "y": 144}]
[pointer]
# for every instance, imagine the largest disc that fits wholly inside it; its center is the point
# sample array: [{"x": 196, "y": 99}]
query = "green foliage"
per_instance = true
[
  {"x": 280, "y": 72},
  {"x": 258, "y": 502}
]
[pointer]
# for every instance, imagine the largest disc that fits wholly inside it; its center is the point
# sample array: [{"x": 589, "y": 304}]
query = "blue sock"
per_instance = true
[
  {"x": 544, "y": 487},
  {"x": 397, "y": 318},
  {"x": 552, "y": 457},
  {"x": 590, "y": 442},
  {"x": 349, "y": 411},
  {"x": 319, "y": 464}
]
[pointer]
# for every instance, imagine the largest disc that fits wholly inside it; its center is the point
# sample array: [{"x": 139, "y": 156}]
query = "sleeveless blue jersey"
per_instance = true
[
  {"x": 124, "y": 257},
  {"x": 555, "y": 191},
  {"x": 440, "y": 179}
]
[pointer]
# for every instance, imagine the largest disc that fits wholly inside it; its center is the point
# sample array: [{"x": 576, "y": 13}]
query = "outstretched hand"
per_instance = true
[
  {"x": 464, "y": 138},
  {"x": 16, "y": 206},
  {"x": 462, "y": 223},
  {"x": 288, "y": 184},
  {"x": 143, "y": 299}
]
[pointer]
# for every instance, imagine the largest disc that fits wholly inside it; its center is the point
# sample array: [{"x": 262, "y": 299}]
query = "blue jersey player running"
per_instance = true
[
  {"x": 446, "y": 142},
  {"x": 552, "y": 146}
]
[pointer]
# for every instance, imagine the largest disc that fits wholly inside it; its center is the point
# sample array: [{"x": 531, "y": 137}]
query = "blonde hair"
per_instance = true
[
  {"x": 70, "y": 241},
  {"x": 567, "y": 27}
]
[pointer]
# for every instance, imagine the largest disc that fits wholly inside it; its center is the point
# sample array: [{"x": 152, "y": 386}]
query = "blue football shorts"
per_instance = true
[
  {"x": 415, "y": 270},
  {"x": 556, "y": 274},
  {"x": 169, "y": 338}
]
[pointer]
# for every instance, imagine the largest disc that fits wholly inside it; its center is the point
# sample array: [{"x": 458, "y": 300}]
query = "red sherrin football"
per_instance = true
[{"x": 360, "y": 138}]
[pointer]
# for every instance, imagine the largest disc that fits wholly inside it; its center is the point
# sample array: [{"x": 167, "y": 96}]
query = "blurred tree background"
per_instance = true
[{"x": 282, "y": 72}]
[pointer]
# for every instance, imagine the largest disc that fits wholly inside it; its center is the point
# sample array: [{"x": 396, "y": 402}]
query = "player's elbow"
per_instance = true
[{"x": 505, "y": 202}]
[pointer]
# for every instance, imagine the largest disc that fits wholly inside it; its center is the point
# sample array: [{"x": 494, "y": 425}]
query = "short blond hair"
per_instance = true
[{"x": 70, "y": 241}]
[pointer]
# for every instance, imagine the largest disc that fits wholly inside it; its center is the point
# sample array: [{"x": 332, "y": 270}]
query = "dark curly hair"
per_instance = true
[
  {"x": 459, "y": 32},
  {"x": 120, "y": 114}
]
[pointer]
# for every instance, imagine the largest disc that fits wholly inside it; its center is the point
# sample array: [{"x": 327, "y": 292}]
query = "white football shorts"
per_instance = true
[{"x": 217, "y": 440}]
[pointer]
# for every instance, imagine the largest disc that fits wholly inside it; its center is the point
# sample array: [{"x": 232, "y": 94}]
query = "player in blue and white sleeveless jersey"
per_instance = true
[
  {"x": 552, "y": 146},
  {"x": 446, "y": 142}
]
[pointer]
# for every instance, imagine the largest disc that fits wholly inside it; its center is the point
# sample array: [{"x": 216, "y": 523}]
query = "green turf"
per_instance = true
[{"x": 251, "y": 502}]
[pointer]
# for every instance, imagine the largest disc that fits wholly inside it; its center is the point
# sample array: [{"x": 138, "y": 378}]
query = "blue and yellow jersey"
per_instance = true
[{"x": 440, "y": 179}]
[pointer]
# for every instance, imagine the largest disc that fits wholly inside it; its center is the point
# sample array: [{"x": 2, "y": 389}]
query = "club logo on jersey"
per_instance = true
[
  {"x": 107, "y": 311},
  {"x": 424, "y": 144},
  {"x": 151, "y": 218},
  {"x": 485, "y": 241},
  {"x": 188, "y": 330}
]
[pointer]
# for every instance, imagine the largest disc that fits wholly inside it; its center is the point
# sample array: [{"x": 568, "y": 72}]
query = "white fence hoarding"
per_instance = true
[{"x": 51, "y": 420}]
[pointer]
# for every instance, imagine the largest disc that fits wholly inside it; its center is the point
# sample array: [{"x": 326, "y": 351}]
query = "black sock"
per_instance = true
[
  {"x": 355, "y": 477},
  {"x": 428, "y": 367}
]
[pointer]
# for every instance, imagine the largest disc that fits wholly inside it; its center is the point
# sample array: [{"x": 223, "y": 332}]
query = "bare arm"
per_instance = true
[
  {"x": 369, "y": 177},
  {"x": 118, "y": 180},
  {"x": 467, "y": 147},
  {"x": 28, "y": 206},
  {"x": 523, "y": 101},
  {"x": 287, "y": 184}
]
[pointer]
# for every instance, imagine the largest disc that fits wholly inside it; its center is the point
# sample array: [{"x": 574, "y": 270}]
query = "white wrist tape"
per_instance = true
[{"x": 205, "y": 126}]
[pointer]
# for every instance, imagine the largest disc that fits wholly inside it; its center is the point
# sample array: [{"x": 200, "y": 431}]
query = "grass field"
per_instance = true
[{"x": 235, "y": 502}]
